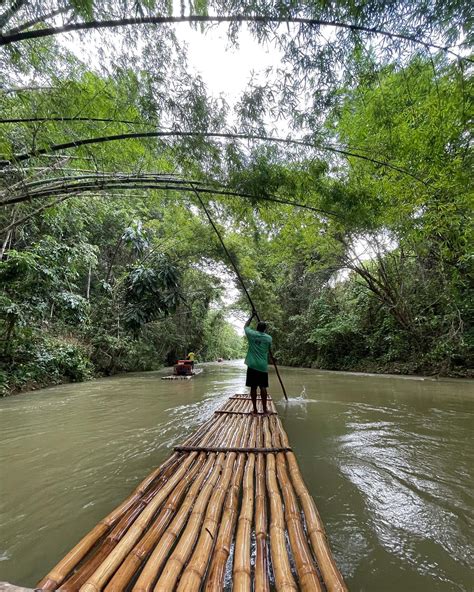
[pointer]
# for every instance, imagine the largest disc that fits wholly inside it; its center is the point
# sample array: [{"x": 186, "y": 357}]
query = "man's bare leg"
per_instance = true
[
  {"x": 263, "y": 394},
  {"x": 253, "y": 394}
]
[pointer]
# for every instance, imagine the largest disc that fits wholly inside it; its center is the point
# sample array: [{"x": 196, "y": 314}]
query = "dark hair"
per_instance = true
[{"x": 262, "y": 327}]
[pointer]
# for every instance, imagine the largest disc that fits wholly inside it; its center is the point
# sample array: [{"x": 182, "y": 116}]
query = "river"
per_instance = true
[{"x": 389, "y": 461}]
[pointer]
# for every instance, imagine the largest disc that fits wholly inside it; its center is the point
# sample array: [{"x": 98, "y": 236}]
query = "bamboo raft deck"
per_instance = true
[{"x": 229, "y": 502}]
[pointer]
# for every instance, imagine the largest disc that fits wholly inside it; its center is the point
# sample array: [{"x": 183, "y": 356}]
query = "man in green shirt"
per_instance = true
[{"x": 257, "y": 361}]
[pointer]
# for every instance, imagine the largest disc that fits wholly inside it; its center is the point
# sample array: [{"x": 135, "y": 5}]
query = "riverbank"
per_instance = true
[
  {"x": 373, "y": 367},
  {"x": 391, "y": 371}
]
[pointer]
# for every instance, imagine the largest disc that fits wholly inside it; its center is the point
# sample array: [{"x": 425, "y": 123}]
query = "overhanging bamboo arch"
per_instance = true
[
  {"x": 14, "y": 37},
  {"x": 220, "y": 135}
]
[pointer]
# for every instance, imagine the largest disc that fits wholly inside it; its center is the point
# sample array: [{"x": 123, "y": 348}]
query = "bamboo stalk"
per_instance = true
[
  {"x": 207, "y": 435},
  {"x": 194, "y": 572},
  {"x": 138, "y": 555},
  {"x": 174, "y": 565},
  {"x": 307, "y": 574},
  {"x": 185, "y": 545},
  {"x": 77, "y": 579},
  {"x": 331, "y": 575},
  {"x": 196, "y": 568},
  {"x": 241, "y": 569},
  {"x": 165, "y": 544},
  {"x": 100, "y": 577},
  {"x": 281, "y": 565},
  {"x": 215, "y": 578},
  {"x": 158, "y": 557},
  {"x": 88, "y": 567},
  {"x": 261, "y": 563},
  {"x": 275, "y": 432}
]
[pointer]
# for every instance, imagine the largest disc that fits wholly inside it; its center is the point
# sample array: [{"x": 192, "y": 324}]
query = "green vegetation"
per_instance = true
[{"x": 351, "y": 226}]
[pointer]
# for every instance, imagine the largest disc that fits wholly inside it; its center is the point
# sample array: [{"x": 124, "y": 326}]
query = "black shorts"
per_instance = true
[{"x": 256, "y": 378}]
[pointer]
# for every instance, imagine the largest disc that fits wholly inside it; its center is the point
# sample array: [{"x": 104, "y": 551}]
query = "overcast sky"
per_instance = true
[{"x": 226, "y": 69}]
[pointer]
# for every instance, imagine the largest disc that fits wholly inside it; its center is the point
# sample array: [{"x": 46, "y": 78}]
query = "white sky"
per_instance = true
[{"x": 226, "y": 69}]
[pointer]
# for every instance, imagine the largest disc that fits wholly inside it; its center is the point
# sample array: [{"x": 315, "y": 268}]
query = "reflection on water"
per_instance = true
[{"x": 388, "y": 461}]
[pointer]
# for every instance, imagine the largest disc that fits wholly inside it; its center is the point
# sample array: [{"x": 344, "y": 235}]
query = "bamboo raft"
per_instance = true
[
  {"x": 230, "y": 503},
  {"x": 182, "y": 377}
]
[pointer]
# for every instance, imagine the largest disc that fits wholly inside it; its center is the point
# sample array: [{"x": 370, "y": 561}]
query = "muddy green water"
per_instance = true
[{"x": 389, "y": 462}]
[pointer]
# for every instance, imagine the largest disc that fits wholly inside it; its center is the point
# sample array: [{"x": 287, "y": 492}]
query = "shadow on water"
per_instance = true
[{"x": 387, "y": 460}]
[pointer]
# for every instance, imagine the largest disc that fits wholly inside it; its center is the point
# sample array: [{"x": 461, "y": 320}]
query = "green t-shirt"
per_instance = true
[{"x": 259, "y": 346}]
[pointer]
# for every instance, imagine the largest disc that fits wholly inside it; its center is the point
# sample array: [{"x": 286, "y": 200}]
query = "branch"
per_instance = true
[
  {"x": 45, "y": 119},
  {"x": 181, "y": 185},
  {"x": 19, "y": 89},
  {"x": 39, "y": 19},
  {"x": 114, "y": 138},
  {"x": 161, "y": 20},
  {"x": 10, "y": 12}
]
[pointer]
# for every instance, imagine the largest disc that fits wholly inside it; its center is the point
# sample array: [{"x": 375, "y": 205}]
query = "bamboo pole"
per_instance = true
[
  {"x": 138, "y": 555},
  {"x": 61, "y": 570},
  {"x": 307, "y": 574},
  {"x": 331, "y": 575},
  {"x": 184, "y": 547},
  {"x": 100, "y": 577},
  {"x": 156, "y": 560},
  {"x": 87, "y": 568},
  {"x": 196, "y": 568},
  {"x": 234, "y": 265},
  {"x": 261, "y": 563},
  {"x": 194, "y": 572},
  {"x": 241, "y": 571},
  {"x": 216, "y": 574},
  {"x": 284, "y": 581},
  {"x": 180, "y": 555},
  {"x": 77, "y": 579}
]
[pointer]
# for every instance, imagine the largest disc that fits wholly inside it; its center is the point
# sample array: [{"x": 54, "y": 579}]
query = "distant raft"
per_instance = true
[
  {"x": 228, "y": 510},
  {"x": 182, "y": 376}
]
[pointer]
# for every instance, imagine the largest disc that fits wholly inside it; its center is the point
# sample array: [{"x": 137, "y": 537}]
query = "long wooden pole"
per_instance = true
[{"x": 240, "y": 280}]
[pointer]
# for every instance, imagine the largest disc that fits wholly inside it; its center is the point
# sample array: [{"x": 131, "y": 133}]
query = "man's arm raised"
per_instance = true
[{"x": 254, "y": 313}]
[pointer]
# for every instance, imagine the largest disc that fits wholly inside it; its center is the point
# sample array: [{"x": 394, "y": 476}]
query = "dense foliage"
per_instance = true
[{"x": 351, "y": 225}]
